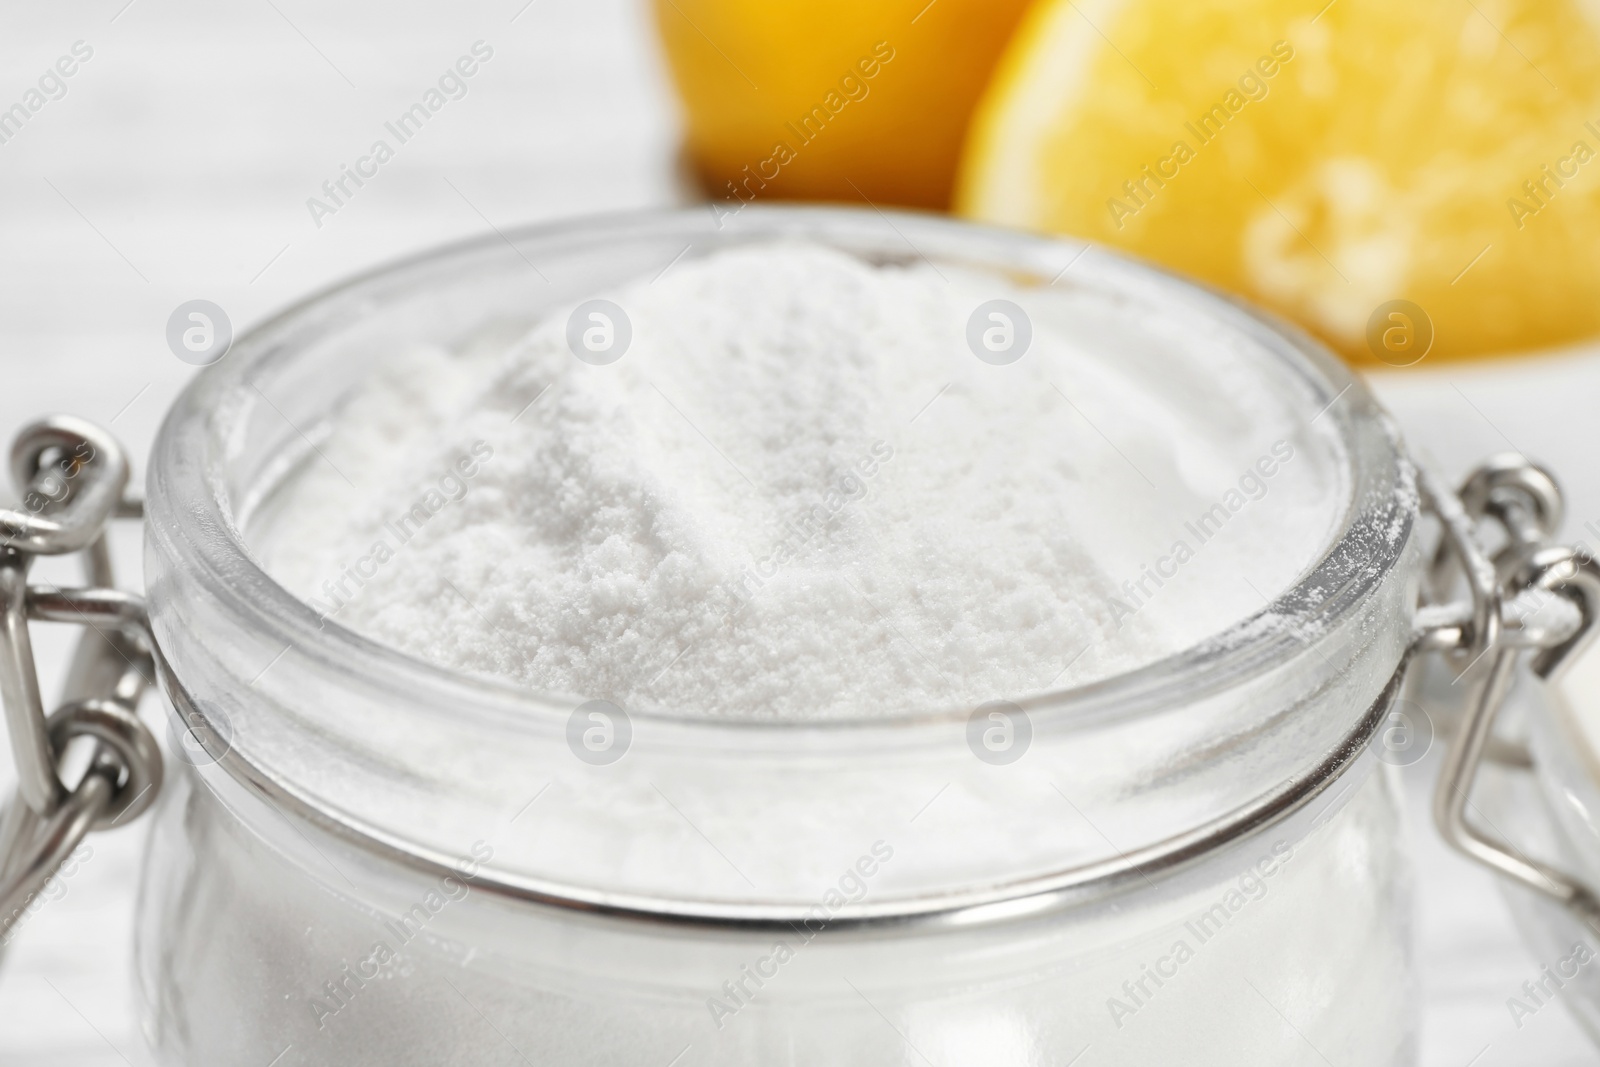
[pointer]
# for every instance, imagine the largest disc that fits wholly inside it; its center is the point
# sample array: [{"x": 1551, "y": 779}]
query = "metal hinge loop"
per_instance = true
[
  {"x": 1522, "y": 499},
  {"x": 73, "y": 479}
]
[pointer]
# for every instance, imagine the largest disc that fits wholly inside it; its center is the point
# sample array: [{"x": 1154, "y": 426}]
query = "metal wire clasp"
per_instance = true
[
  {"x": 73, "y": 478},
  {"x": 1523, "y": 501}
]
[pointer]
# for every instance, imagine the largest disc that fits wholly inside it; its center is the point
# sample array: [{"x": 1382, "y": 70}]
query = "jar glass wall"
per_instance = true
[
  {"x": 1193, "y": 854},
  {"x": 1546, "y": 802},
  {"x": 254, "y": 937}
]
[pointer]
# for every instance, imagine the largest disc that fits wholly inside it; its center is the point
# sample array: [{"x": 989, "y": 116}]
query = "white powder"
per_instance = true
[{"x": 800, "y": 494}]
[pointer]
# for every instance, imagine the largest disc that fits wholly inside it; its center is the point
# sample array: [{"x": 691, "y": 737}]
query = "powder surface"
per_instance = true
[{"x": 799, "y": 494}]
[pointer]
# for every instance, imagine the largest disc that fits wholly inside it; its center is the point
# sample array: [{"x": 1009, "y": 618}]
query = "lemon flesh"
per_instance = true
[{"x": 1326, "y": 161}]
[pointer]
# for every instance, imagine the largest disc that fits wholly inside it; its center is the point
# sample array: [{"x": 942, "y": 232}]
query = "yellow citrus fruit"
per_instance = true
[
  {"x": 831, "y": 99},
  {"x": 1344, "y": 163}
]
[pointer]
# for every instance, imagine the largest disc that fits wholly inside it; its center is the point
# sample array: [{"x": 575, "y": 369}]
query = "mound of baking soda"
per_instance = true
[{"x": 800, "y": 492}]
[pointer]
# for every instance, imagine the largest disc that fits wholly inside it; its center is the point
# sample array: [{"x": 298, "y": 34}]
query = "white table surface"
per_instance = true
[{"x": 177, "y": 167}]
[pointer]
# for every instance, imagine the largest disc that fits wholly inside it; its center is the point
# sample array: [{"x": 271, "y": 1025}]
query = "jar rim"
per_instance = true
[
  {"x": 188, "y": 489},
  {"x": 420, "y": 758}
]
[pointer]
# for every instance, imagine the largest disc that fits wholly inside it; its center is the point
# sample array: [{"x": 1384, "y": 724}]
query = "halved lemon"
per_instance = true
[{"x": 1399, "y": 178}]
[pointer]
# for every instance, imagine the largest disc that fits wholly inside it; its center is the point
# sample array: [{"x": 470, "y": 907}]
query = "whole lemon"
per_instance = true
[{"x": 831, "y": 99}]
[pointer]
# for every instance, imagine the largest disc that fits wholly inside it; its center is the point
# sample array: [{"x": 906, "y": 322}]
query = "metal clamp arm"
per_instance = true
[
  {"x": 1522, "y": 499},
  {"x": 73, "y": 477}
]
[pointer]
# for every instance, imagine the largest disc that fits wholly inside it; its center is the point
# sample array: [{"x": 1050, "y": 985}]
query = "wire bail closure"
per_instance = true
[
  {"x": 1524, "y": 501},
  {"x": 73, "y": 478}
]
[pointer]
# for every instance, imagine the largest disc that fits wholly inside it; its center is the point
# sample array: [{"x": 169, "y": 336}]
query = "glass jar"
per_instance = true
[
  {"x": 361, "y": 858},
  {"x": 1543, "y": 794}
]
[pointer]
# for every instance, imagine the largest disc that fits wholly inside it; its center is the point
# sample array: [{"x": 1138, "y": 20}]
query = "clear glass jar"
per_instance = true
[
  {"x": 1197, "y": 861},
  {"x": 1544, "y": 796}
]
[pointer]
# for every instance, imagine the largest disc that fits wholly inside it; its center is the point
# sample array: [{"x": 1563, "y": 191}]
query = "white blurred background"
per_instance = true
[{"x": 177, "y": 166}]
